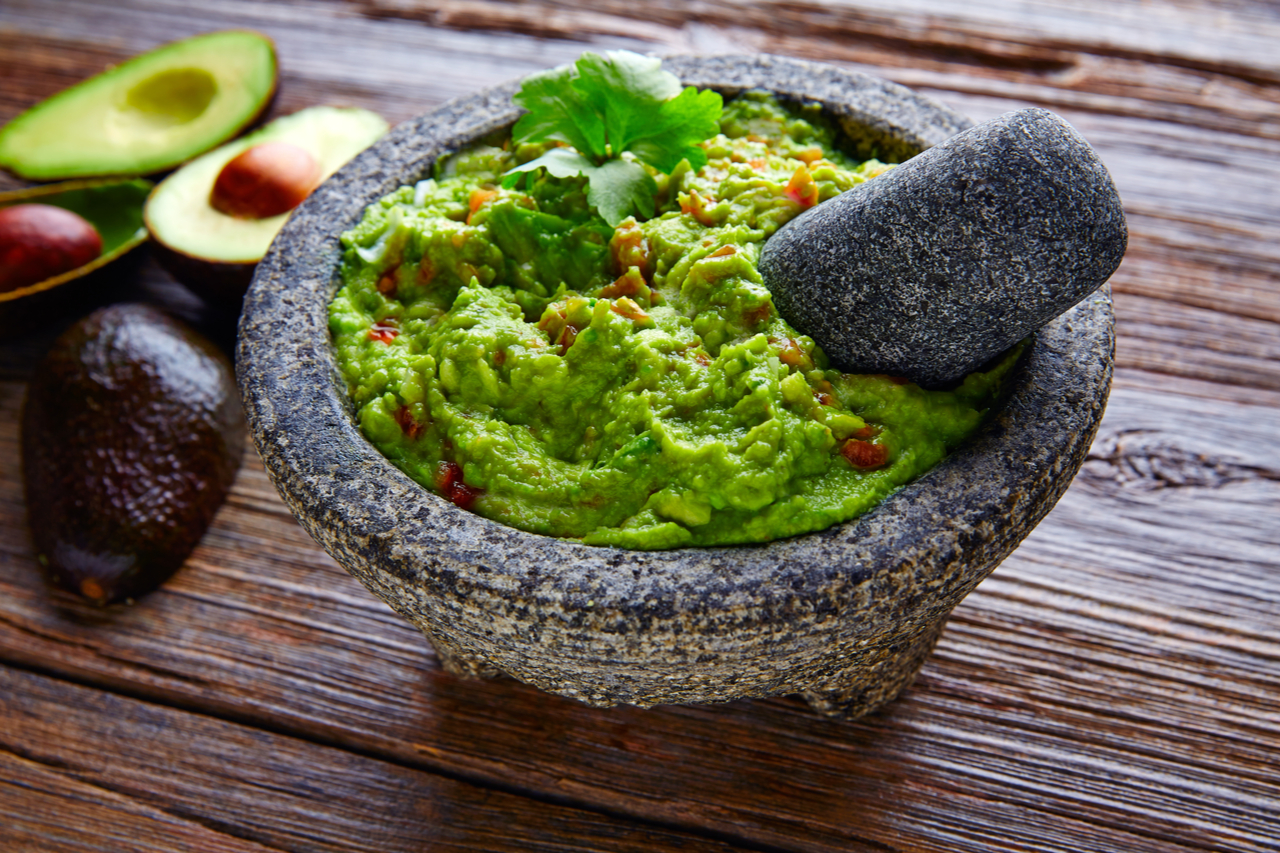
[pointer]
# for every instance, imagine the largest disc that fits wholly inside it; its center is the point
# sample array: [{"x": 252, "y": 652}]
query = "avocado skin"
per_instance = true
[{"x": 131, "y": 437}]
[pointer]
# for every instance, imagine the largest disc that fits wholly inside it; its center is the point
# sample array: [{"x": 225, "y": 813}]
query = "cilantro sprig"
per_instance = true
[{"x": 616, "y": 111}]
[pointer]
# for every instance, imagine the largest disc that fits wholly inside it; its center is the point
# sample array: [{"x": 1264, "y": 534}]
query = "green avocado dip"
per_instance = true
[{"x": 629, "y": 386}]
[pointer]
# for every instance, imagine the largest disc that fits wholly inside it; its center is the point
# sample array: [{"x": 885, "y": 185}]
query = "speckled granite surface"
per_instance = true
[
  {"x": 940, "y": 265},
  {"x": 844, "y": 616}
]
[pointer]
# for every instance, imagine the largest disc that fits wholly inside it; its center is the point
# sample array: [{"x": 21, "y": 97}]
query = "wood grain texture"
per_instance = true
[
  {"x": 239, "y": 789},
  {"x": 48, "y": 810},
  {"x": 1115, "y": 685}
]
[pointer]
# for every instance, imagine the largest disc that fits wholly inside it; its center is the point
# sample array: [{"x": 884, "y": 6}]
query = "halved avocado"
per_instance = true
[
  {"x": 149, "y": 114},
  {"x": 114, "y": 208},
  {"x": 214, "y": 253}
]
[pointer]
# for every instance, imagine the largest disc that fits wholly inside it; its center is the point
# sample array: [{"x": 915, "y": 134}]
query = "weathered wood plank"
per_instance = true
[
  {"x": 1196, "y": 184},
  {"x": 1113, "y": 686},
  {"x": 1032, "y": 35},
  {"x": 1114, "y": 683},
  {"x": 45, "y": 809},
  {"x": 83, "y": 769}
]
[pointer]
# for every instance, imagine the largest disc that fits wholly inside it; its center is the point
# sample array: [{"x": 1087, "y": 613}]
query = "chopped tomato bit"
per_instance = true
[
  {"x": 629, "y": 309},
  {"x": 864, "y": 454},
  {"x": 447, "y": 473},
  {"x": 449, "y": 482},
  {"x": 791, "y": 354},
  {"x": 801, "y": 188},
  {"x": 810, "y": 155},
  {"x": 567, "y": 336},
  {"x": 867, "y": 432},
  {"x": 499, "y": 357},
  {"x": 426, "y": 271},
  {"x": 550, "y": 321},
  {"x": 626, "y": 285},
  {"x": 463, "y": 496},
  {"x": 757, "y": 316},
  {"x": 697, "y": 207},
  {"x": 479, "y": 196},
  {"x": 630, "y": 248},
  {"x": 384, "y": 331},
  {"x": 408, "y": 424},
  {"x": 387, "y": 282},
  {"x": 825, "y": 399},
  {"x": 757, "y": 163},
  {"x": 723, "y": 251}
]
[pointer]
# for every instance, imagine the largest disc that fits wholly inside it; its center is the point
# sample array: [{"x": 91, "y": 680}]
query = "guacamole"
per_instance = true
[{"x": 629, "y": 386}]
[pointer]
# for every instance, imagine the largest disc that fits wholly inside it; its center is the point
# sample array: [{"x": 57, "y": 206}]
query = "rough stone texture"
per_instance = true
[
  {"x": 847, "y": 614},
  {"x": 938, "y": 266}
]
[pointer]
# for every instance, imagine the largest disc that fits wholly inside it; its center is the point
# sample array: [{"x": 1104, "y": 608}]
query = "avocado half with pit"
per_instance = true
[
  {"x": 213, "y": 219},
  {"x": 147, "y": 115},
  {"x": 110, "y": 210}
]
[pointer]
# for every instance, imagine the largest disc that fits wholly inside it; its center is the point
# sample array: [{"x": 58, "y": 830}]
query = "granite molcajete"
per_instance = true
[{"x": 845, "y": 616}]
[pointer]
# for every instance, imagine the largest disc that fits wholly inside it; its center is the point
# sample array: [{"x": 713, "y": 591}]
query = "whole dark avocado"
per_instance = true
[{"x": 131, "y": 437}]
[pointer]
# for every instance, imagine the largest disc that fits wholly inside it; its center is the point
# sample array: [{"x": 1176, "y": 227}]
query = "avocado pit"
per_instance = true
[
  {"x": 213, "y": 219},
  {"x": 39, "y": 241},
  {"x": 265, "y": 180}
]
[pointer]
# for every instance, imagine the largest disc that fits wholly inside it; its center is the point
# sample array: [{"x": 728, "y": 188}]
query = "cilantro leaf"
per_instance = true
[
  {"x": 614, "y": 188},
  {"x": 560, "y": 162},
  {"x": 556, "y": 113},
  {"x": 605, "y": 106},
  {"x": 681, "y": 123},
  {"x": 619, "y": 187},
  {"x": 625, "y": 89}
]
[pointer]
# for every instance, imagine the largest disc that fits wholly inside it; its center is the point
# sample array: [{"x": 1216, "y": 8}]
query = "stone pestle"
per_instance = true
[{"x": 945, "y": 261}]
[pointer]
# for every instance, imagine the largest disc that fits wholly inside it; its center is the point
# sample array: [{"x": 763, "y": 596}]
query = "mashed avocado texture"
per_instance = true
[{"x": 631, "y": 386}]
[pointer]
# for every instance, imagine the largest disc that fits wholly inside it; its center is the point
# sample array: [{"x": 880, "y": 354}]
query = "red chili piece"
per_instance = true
[
  {"x": 463, "y": 496},
  {"x": 449, "y": 482}
]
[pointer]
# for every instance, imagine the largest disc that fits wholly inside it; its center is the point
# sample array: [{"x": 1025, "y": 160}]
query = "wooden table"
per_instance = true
[{"x": 1115, "y": 685}]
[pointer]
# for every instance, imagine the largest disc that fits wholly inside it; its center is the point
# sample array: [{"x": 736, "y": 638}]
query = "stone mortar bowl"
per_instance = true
[{"x": 844, "y": 617}]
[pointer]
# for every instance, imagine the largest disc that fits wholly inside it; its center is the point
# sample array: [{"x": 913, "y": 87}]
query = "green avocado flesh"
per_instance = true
[
  {"x": 180, "y": 216},
  {"x": 113, "y": 208},
  {"x": 630, "y": 387},
  {"x": 148, "y": 114}
]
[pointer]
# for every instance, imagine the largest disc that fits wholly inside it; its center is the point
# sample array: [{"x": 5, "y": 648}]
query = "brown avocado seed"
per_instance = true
[
  {"x": 39, "y": 241},
  {"x": 265, "y": 180}
]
